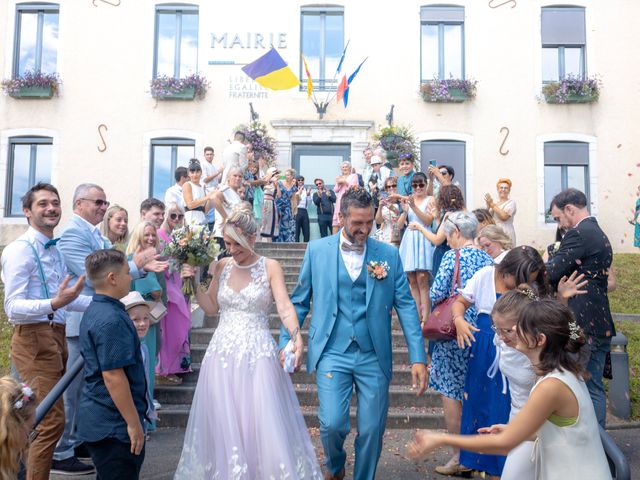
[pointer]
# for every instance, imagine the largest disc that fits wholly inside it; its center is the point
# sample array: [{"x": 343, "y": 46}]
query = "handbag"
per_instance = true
[{"x": 440, "y": 324}]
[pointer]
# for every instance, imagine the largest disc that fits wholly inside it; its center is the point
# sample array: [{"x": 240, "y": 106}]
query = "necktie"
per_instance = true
[
  {"x": 352, "y": 247},
  {"x": 51, "y": 243}
]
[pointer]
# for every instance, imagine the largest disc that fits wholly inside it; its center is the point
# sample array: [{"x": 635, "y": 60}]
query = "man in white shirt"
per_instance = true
[
  {"x": 224, "y": 200},
  {"x": 37, "y": 296},
  {"x": 302, "y": 215},
  {"x": 234, "y": 156},
  {"x": 211, "y": 173},
  {"x": 367, "y": 153},
  {"x": 174, "y": 192}
]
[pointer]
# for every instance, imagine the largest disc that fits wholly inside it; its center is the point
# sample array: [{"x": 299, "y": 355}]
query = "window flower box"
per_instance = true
[
  {"x": 32, "y": 85},
  {"x": 188, "y": 88},
  {"x": 572, "y": 90},
  {"x": 448, "y": 91}
]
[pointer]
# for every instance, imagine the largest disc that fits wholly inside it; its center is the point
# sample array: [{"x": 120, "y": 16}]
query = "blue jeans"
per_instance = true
[
  {"x": 68, "y": 442},
  {"x": 597, "y": 348}
]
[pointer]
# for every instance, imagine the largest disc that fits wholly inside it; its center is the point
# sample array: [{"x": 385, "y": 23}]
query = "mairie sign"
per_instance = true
[{"x": 248, "y": 40}]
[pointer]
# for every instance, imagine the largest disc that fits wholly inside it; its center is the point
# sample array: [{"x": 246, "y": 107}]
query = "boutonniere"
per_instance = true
[{"x": 378, "y": 270}]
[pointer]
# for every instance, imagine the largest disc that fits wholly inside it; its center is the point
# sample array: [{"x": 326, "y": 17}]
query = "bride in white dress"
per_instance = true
[{"x": 245, "y": 420}]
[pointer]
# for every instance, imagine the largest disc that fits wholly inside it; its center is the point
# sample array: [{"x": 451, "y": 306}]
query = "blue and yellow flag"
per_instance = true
[{"x": 271, "y": 71}]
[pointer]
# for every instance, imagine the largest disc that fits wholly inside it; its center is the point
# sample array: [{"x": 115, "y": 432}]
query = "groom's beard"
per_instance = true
[{"x": 352, "y": 239}]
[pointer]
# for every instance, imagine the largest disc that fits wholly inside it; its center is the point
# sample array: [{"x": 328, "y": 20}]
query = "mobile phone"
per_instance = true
[{"x": 432, "y": 162}]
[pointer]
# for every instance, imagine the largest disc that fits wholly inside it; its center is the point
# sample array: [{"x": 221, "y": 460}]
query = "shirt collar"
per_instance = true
[
  {"x": 93, "y": 228},
  {"x": 99, "y": 297},
  {"x": 37, "y": 236},
  {"x": 590, "y": 216}
]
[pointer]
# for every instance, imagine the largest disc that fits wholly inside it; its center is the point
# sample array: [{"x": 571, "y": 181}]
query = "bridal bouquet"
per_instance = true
[{"x": 193, "y": 245}]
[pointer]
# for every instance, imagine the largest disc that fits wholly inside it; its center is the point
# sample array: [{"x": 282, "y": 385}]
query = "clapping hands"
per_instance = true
[{"x": 488, "y": 199}]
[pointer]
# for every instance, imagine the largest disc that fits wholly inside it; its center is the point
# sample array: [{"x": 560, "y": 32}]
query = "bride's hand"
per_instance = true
[{"x": 187, "y": 271}]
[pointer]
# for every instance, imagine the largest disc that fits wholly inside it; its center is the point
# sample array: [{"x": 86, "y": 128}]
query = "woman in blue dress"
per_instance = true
[
  {"x": 416, "y": 252},
  {"x": 288, "y": 188},
  {"x": 486, "y": 399},
  {"x": 448, "y": 361}
]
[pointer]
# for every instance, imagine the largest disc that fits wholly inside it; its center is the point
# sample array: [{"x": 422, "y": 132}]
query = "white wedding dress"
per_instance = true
[{"x": 245, "y": 420}]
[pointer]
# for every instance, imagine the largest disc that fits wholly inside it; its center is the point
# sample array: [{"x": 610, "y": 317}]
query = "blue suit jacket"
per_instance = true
[
  {"x": 76, "y": 243},
  {"x": 319, "y": 279}
]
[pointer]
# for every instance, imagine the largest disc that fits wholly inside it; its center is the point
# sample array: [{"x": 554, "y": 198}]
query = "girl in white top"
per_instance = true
[
  {"x": 559, "y": 415},
  {"x": 196, "y": 202}
]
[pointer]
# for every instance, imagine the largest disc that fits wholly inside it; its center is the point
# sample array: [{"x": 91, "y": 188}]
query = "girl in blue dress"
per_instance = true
[{"x": 486, "y": 398}]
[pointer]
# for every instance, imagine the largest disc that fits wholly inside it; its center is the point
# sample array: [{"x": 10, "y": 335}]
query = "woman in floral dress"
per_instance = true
[
  {"x": 448, "y": 361},
  {"x": 390, "y": 214},
  {"x": 288, "y": 188}
]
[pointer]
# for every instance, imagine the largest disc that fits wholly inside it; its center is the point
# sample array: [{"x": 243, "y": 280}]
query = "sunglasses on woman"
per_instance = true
[
  {"x": 390, "y": 186},
  {"x": 418, "y": 184},
  {"x": 176, "y": 216}
]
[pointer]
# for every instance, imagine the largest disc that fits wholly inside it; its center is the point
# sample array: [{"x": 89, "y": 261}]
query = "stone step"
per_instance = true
[
  {"x": 202, "y": 336},
  {"x": 430, "y": 418},
  {"x": 399, "y": 395},
  {"x": 400, "y": 356},
  {"x": 289, "y": 263},
  {"x": 274, "y": 323},
  {"x": 401, "y": 376},
  {"x": 262, "y": 246},
  {"x": 283, "y": 253}
]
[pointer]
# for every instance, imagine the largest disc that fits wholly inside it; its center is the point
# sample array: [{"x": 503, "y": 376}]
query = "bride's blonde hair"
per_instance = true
[{"x": 241, "y": 224}]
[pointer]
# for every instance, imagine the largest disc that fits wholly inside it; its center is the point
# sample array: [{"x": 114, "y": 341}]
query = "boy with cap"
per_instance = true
[{"x": 142, "y": 313}]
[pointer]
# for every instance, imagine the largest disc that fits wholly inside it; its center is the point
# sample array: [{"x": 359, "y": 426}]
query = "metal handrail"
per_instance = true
[
  {"x": 618, "y": 463},
  {"x": 57, "y": 390}
]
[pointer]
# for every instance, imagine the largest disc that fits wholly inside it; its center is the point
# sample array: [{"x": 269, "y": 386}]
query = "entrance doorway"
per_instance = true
[{"x": 318, "y": 161}]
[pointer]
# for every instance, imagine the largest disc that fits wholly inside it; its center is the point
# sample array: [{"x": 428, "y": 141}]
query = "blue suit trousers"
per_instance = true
[{"x": 336, "y": 375}]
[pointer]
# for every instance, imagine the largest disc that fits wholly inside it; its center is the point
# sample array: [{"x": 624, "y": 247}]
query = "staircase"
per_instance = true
[{"x": 405, "y": 409}]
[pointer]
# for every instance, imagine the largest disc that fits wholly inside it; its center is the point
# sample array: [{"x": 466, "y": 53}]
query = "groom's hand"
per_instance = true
[{"x": 419, "y": 377}]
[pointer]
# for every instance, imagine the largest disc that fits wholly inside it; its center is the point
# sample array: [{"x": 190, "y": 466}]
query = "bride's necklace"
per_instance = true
[{"x": 247, "y": 266}]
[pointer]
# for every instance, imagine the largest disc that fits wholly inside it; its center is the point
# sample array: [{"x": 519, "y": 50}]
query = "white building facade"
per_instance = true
[{"x": 104, "y": 127}]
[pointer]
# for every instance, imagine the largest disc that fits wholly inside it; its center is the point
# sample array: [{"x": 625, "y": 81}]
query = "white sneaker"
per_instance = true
[{"x": 156, "y": 404}]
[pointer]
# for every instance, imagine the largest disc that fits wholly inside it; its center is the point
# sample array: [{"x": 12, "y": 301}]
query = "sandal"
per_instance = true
[{"x": 168, "y": 380}]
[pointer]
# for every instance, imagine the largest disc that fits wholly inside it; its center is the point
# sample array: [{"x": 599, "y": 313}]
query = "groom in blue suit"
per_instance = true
[{"x": 350, "y": 332}]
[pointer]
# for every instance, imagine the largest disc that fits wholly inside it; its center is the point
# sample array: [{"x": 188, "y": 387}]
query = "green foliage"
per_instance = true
[
  {"x": 632, "y": 331},
  {"x": 5, "y": 338},
  {"x": 398, "y": 142},
  {"x": 626, "y": 297}
]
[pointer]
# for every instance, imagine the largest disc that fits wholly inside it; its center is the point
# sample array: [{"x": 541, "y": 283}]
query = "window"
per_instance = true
[
  {"x": 36, "y": 40},
  {"x": 30, "y": 161},
  {"x": 322, "y": 43},
  {"x": 166, "y": 155},
  {"x": 445, "y": 152},
  {"x": 563, "y": 43},
  {"x": 566, "y": 165},
  {"x": 176, "y": 41},
  {"x": 318, "y": 161},
  {"x": 441, "y": 43}
]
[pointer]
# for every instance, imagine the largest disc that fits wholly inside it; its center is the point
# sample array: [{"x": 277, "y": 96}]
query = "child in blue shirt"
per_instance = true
[{"x": 113, "y": 403}]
